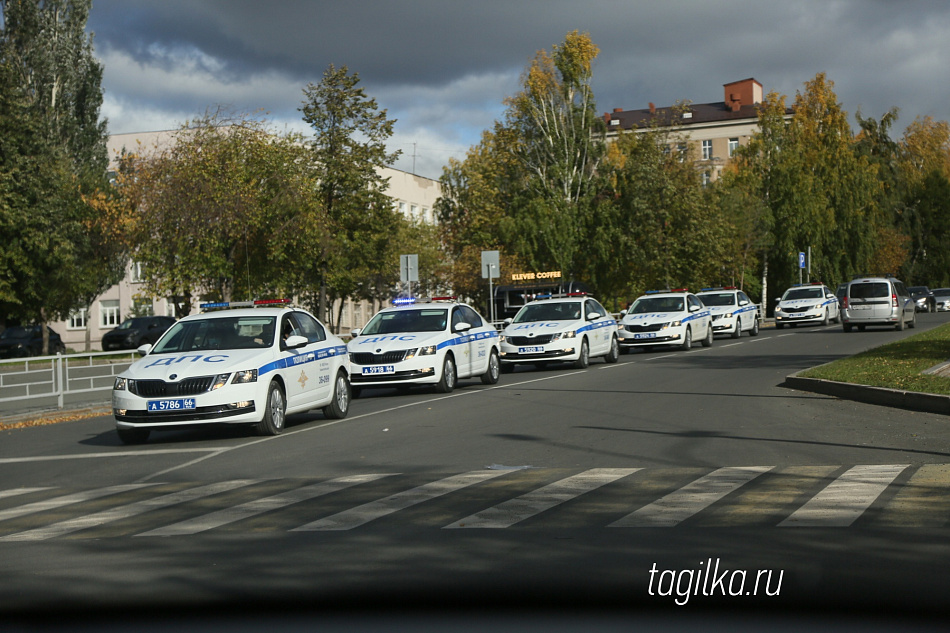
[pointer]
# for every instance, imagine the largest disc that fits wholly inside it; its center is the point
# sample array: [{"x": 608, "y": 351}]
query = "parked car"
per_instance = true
[
  {"x": 942, "y": 299},
  {"x": 923, "y": 298},
  {"x": 20, "y": 342},
  {"x": 136, "y": 332},
  {"x": 878, "y": 301}
]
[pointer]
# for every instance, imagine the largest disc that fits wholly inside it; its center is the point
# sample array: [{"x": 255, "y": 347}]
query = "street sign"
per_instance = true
[
  {"x": 801, "y": 260},
  {"x": 408, "y": 268},
  {"x": 490, "y": 265}
]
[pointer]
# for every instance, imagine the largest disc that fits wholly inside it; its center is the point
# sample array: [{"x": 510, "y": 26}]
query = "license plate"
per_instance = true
[
  {"x": 379, "y": 369},
  {"x": 649, "y": 335},
  {"x": 860, "y": 307},
  {"x": 180, "y": 404},
  {"x": 530, "y": 350}
]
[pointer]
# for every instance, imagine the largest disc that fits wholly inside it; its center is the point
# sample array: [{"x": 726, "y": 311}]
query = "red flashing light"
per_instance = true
[
  {"x": 576, "y": 294},
  {"x": 680, "y": 290},
  {"x": 267, "y": 302},
  {"x": 443, "y": 298}
]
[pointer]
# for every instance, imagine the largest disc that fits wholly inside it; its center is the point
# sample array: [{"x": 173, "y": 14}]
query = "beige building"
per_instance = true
[
  {"x": 713, "y": 130},
  {"x": 414, "y": 196}
]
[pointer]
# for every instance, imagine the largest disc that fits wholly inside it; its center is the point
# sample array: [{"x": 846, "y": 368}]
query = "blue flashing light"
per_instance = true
[
  {"x": 404, "y": 301},
  {"x": 656, "y": 292},
  {"x": 219, "y": 304}
]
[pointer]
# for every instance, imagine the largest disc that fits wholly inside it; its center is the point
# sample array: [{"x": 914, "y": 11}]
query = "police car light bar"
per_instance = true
[
  {"x": 242, "y": 304},
  {"x": 403, "y": 301},
  {"x": 443, "y": 298},
  {"x": 656, "y": 292},
  {"x": 681, "y": 290}
]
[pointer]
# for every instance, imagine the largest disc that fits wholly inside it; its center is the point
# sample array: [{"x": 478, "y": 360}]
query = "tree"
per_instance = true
[
  {"x": 346, "y": 151},
  {"x": 52, "y": 81},
  {"x": 225, "y": 193}
]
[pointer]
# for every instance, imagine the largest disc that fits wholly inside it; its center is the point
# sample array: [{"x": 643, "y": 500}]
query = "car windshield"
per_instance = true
[
  {"x": 803, "y": 293},
  {"x": 248, "y": 332},
  {"x": 918, "y": 290},
  {"x": 942, "y": 292},
  {"x": 657, "y": 304},
  {"x": 561, "y": 311},
  {"x": 132, "y": 324},
  {"x": 15, "y": 332},
  {"x": 870, "y": 290},
  {"x": 417, "y": 320},
  {"x": 719, "y": 299}
]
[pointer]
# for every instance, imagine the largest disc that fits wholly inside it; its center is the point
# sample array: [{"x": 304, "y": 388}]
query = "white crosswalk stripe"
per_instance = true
[
  {"x": 19, "y": 491},
  {"x": 355, "y": 517},
  {"x": 124, "y": 512},
  {"x": 59, "y": 502},
  {"x": 514, "y": 511},
  {"x": 846, "y": 498},
  {"x": 260, "y": 506},
  {"x": 692, "y": 498}
]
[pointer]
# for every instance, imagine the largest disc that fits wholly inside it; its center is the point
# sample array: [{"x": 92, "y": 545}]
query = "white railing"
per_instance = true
[{"x": 53, "y": 379}]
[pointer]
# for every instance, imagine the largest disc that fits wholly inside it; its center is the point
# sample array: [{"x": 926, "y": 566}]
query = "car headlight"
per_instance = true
[
  {"x": 564, "y": 335},
  {"x": 219, "y": 381},
  {"x": 121, "y": 384},
  {"x": 243, "y": 377},
  {"x": 671, "y": 324},
  {"x": 427, "y": 350}
]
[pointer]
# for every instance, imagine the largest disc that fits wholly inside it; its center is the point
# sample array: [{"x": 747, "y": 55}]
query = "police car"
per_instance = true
[
  {"x": 807, "y": 303},
  {"x": 426, "y": 341},
  {"x": 666, "y": 317},
  {"x": 572, "y": 327},
  {"x": 732, "y": 311},
  {"x": 234, "y": 365}
]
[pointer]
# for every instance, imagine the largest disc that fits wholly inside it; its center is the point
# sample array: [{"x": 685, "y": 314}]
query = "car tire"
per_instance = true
[
  {"x": 825, "y": 321},
  {"x": 687, "y": 339},
  {"x": 900, "y": 322},
  {"x": 614, "y": 354},
  {"x": 755, "y": 328},
  {"x": 340, "y": 404},
  {"x": 133, "y": 436},
  {"x": 738, "y": 331},
  {"x": 491, "y": 375},
  {"x": 275, "y": 412},
  {"x": 913, "y": 321},
  {"x": 449, "y": 376},
  {"x": 583, "y": 358},
  {"x": 707, "y": 342}
]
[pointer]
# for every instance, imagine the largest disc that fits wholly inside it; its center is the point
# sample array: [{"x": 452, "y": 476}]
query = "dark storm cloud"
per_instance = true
[{"x": 444, "y": 68}]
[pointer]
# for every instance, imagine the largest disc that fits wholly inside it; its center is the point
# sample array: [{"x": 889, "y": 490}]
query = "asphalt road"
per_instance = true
[{"x": 666, "y": 483}]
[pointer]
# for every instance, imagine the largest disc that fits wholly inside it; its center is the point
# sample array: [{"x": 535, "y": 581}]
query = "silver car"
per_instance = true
[{"x": 877, "y": 301}]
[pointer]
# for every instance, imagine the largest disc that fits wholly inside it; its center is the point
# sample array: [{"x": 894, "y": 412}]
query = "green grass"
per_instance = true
[{"x": 896, "y": 365}]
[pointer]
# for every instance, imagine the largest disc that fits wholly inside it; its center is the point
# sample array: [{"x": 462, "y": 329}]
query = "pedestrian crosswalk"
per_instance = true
[{"x": 876, "y": 495}]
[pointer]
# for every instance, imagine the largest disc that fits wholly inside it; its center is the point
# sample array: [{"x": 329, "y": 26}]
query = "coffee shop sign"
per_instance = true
[{"x": 550, "y": 274}]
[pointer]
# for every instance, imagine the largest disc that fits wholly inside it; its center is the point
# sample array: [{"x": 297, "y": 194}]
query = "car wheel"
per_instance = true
[
  {"x": 614, "y": 354},
  {"x": 340, "y": 405},
  {"x": 913, "y": 321},
  {"x": 707, "y": 342},
  {"x": 931, "y": 307},
  {"x": 755, "y": 328},
  {"x": 687, "y": 339},
  {"x": 900, "y": 322},
  {"x": 133, "y": 436},
  {"x": 274, "y": 412},
  {"x": 583, "y": 359},
  {"x": 827, "y": 319},
  {"x": 738, "y": 331},
  {"x": 490, "y": 377},
  {"x": 447, "y": 383}
]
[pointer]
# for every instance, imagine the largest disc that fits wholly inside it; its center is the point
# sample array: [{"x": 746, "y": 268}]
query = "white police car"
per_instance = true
[
  {"x": 233, "y": 366},
  {"x": 732, "y": 311},
  {"x": 807, "y": 303},
  {"x": 572, "y": 327},
  {"x": 666, "y": 317},
  {"x": 427, "y": 341}
]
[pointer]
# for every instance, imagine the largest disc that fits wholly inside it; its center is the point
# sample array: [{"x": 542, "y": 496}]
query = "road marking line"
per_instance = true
[
  {"x": 20, "y": 491},
  {"x": 355, "y": 517},
  {"x": 515, "y": 510},
  {"x": 260, "y": 506},
  {"x": 846, "y": 498},
  {"x": 49, "y": 458},
  {"x": 58, "y": 502},
  {"x": 692, "y": 498},
  {"x": 126, "y": 511}
]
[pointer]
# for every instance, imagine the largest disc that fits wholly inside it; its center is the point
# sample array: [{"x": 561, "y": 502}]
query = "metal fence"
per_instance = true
[{"x": 55, "y": 382}]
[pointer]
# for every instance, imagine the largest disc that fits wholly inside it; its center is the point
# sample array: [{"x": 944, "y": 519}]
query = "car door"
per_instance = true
[
  {"x": 746, "y": 315},
  {"x": 304, "y": 381},
  {"x": 480, "y": 343},
  {"x": 463, "y": 346},
  {"x": 599, "y": 335}
]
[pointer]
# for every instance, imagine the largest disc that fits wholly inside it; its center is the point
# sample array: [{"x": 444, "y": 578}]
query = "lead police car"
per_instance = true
[
  {"x": 433, "y": 342},
  {"x": 572, "y": 327},
  {"x": 732, "y": 311},
  {"x": 666, "y": 317},
  {"x": 230, "y": 366},
  {"x": 808, "y": 303}
]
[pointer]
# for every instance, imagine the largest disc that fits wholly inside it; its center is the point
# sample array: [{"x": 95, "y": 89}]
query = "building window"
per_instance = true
[
  {"x": 706, "y": 179},
  {"x": 109, "y": 313},
  {"x": 414, "y": 212},
  {"x": 707, "y": 150},
  {"x": 135, "y": 272},
  {"x": 77, "y": 319},
  {"x": 402, "y": 209},
  {"x": 733, "y": 146}
]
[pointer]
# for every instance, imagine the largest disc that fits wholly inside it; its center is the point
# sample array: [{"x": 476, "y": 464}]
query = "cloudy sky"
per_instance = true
[{"x": 442, "y": 68}]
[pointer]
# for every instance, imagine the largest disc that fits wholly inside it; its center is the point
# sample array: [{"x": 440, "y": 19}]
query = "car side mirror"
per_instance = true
[
  {"x": 462, "y": 327},
  {"x": 623, "y": 313},
  {"x": 506, "y": 322},
  {"x": 355, "y": 333},
  {"x": 593, "y": 316},
  {"x": 743, "y": 303},
  {"x": 144, "y": 349},
  {"x": 694, "y": 308},
  {"x": 295, "y": 341}
]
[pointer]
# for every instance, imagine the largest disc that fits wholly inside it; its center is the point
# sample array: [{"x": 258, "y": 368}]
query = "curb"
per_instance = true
[{"x": 913, "y": 400}]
